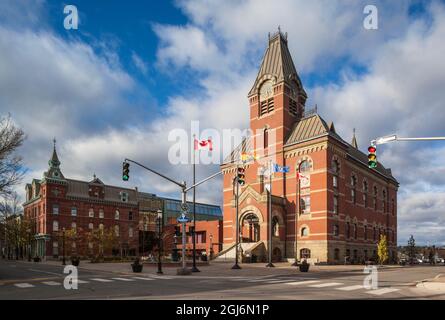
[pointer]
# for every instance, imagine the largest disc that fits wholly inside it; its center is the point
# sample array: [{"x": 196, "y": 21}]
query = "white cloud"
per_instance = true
[{"x": 139, "y": 63}]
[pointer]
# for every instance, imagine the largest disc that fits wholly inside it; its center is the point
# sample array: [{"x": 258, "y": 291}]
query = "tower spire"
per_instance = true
[{"x": 354, "y": 139}]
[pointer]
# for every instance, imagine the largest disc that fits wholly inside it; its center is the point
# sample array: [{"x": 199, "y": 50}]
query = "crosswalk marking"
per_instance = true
[
  {"x": 328, "y": 284},
  {"x": 51, "y": 283},
  {"x": 101, "y": 280},
  {"x": 122, "y": 279},
  {"x": 23, "y": 285},
  {"x": 297, "y": 283},
  {"x": 142, "y": 278},
  {"x": 379, "y": 292},
  {"x": 80, "y": 281},
  {"x": 160, "y": 277},
  {"x": 350, "y": 288}
]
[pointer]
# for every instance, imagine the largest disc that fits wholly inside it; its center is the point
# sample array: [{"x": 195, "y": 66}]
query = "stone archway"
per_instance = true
[{"x": 250, "y": 228}]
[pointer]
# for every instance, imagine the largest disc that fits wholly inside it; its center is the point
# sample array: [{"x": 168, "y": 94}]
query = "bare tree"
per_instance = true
[{"x": 11, "y": 164}]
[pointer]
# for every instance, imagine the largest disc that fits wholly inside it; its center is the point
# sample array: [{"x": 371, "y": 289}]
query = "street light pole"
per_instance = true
[
  {"x": 63, "y": 247},
  {"x": 29, "y": 244},
  {"x": 236, "y": 265},
  {"x": 159, "y": 222}
]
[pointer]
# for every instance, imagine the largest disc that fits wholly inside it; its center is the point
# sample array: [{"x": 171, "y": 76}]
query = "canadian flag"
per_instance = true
[{"x": 203, "y": 144}]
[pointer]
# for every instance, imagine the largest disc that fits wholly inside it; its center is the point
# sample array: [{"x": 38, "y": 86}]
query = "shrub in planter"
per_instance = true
[
  {"x": 75, "y": 261},
  {"x": 304, "y": 266},
  {"x": 137, "y": 266}
]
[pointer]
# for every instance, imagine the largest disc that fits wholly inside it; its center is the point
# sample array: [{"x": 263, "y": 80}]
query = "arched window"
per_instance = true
[
  {"x": 116, "y": 215},
  {"x": 304, "y": 232},
  {"x": 336, "y": 170},
  {"x": 365, "y": 194},
  {"x": 374, "y": 199},
  {"x": 130, "y": 232},
  {"x": 305, "y": 253},
  {"x": 55, "y": 225},
  {"x": 305, "y": 166},
  {"x": 305, "y": 204},
  {"x": 355, "y": 231},
  {"x": 384, "y": 201},
  {"x": 336, "y": 230},
  {"x": 365, "y": 232},
  {"x": 275, "y": 227},
  {"x": 348, "y": 230},
  {"x": 353, "y": 189},
  {"x": 265, "y": 138}
]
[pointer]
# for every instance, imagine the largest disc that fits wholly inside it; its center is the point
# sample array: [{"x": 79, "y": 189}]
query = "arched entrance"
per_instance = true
[
  {"x": 276, "y": 255},
  {"x": 250, "y": 231}
]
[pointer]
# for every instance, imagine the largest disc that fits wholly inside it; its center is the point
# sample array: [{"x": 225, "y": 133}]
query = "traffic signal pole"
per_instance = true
[
  {"x": 184, "y": 189},
  {"x": 392, "y": 138}
]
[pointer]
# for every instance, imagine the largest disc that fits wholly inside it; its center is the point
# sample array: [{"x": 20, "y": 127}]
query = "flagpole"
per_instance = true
[
  {"x": 194, "y": 268},
  {"x": 270, "y": 264},
  {"x": 295, "y": 264}
]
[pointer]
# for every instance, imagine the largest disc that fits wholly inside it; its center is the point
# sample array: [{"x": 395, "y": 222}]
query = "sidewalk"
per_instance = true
[
  {"x": 221, "y": 269},
  {"x": 436, "y": 284}
]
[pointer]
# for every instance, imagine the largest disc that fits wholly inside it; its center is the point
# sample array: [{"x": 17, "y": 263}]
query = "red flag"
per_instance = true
[{"x": 203, "y": 144}]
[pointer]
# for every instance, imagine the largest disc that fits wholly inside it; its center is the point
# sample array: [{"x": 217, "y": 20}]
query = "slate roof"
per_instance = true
[{"x": 277, "y": 62}]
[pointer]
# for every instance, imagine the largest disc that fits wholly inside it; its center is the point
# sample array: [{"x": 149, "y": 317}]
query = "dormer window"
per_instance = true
[{"x": 124, "y": 196}]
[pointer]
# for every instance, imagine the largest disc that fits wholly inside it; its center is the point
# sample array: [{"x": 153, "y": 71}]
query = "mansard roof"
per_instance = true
[{"x": 277, "y": 64}]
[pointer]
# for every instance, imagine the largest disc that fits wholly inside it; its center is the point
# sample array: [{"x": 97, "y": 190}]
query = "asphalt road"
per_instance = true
[{"x": 24, "y": 280}]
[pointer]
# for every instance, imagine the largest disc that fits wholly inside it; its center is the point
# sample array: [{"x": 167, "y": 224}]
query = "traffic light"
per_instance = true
[
  {"x": 125, "y": 171},
  {"x": 241, "y": 176},
  {"x": 372, "y": 157}
]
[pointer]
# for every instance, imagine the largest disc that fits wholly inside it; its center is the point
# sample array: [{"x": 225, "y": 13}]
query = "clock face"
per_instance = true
[{"x": 266, "y": 90}]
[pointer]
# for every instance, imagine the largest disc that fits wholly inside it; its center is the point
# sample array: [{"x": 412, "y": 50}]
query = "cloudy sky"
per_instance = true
[{"x": 132, "y": 72}]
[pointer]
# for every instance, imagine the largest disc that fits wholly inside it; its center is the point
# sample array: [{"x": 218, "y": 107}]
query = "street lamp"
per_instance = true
[
  {"x": 211, "y": 246},
  {"x": 29, "y": 244},
  {"x": 63, "y": 247},
  {"x": 159, "y": 223}
]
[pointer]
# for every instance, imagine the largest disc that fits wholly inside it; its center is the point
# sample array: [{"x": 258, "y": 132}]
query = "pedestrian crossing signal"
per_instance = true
[
  {"x": 241, "y": 176},
  {"x": 372, "y": 157},
  {"x": 125, "y": 171}
]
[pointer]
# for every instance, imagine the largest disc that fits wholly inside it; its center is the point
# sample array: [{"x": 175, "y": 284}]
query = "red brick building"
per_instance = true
[
  {"x": 338, "y": 211},
  {"x": 56, "y": 202}
]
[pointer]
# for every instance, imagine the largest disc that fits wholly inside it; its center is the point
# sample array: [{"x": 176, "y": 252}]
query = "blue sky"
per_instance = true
[{"x": 134, "y": 71}]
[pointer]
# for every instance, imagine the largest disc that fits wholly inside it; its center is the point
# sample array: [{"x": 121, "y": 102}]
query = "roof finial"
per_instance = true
[
  {"x": 279, "y": 29},
  {"x": 54, "y": 142},
  {"x": 316, "y": 108},
  {"x": 94, "y": 176}
]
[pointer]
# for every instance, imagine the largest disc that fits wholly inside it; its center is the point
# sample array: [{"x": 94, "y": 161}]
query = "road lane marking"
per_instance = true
[
  {"x": 24, "y": 285},
  {"x": 324, "y": 285},
  {"x": 277, "y": 281},
  {"x": 52, "y": 283},
  {"x": 160, "y": 277},
  {"x": 297, "y": 283},
  {"x": 379, "y": 292},
  {"x": 142, "y": 278},
  {"x": 351, "y": 288},
  {"x": 122, "y": 279},
  {"x": 47, "y": 272},
  {"x": 101, "y": 280}
]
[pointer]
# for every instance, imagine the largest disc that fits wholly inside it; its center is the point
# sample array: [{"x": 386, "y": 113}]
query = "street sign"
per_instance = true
[
  {"x": 183, "y": 219},
  {"x": 184, "y": 207}
]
